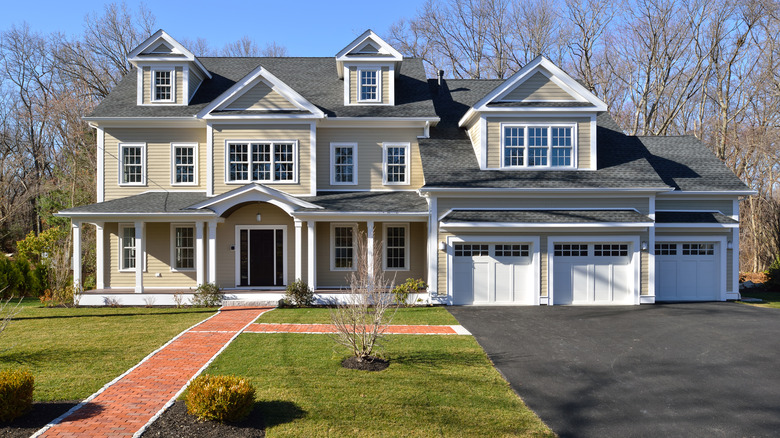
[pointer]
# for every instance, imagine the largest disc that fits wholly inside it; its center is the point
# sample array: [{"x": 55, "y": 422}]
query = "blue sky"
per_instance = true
[{"x": 306, "y": 28}]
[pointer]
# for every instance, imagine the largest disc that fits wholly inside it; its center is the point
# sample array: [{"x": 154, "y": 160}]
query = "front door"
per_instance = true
[{"x": 261, "y": 257}]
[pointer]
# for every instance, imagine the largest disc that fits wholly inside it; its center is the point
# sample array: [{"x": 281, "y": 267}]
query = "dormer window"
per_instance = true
[
  {"x": 162, "y": 85},
  {"x": 369, "y": 82},
  {"x": 538, "y": 145}
]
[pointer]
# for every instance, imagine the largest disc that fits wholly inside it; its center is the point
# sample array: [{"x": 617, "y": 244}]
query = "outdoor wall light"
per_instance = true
[
  {"x": 644, "y": 245},
  {"x": 442, "y": 246},
  {"x": 259, "y": 217}
]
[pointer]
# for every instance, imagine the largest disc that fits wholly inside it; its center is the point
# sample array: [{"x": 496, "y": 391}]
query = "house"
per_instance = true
[{"x": 254, "y": 172}]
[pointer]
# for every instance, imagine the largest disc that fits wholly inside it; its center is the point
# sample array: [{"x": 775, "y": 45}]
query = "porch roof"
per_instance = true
[
  {"x": 144, "y": 203},
  {"x": 691, "y": 217},
  {"x": 546, "y": 216},
  {"x": 370, "y": 202}
]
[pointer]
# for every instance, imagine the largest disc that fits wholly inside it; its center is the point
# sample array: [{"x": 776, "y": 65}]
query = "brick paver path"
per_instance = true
[
  {"x": 329, "y": 328},
  {"x": 127, "y": 405}
]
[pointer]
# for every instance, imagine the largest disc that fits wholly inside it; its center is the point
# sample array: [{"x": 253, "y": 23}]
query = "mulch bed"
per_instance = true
[
  {"x": 373, "y": 364},
  {"x": 42, "y": 413},
  {"x": 176, "y": 422}
]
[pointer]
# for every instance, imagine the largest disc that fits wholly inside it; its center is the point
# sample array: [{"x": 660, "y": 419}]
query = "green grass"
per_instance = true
[
  {"x": 74, "y": 352},
  {"x": 435, "y": 386},
  {"x": 321, "y": 315},
  {"x": 771, "y": 299}
]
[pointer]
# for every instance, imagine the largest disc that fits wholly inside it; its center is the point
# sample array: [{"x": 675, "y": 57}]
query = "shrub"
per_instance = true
[
  {"x": 299, "y": 294},
  {"x": 16, "y": 393},
  {"x": 220, "y": 398},
  {"x": 773, "y": 273},
  {"x": 207, "y": 295},
  {"x": 402, "y": 291}
]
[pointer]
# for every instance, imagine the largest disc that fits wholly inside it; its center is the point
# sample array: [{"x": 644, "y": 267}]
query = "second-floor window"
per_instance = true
[
  {"x": 162, "y": 86},
  {"x": 538, "y": 145},
  {"x": 184, "y": 164},
  {"x": 396, "y": 163},
  {"x": 132, "y": 164},
  {"x": 369, "y": 85},
  {"x": 261, "y": 161},
  {"x": 343, "y": 163}
]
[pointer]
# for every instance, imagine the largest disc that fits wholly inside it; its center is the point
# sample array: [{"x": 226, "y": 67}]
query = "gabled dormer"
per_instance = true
[
  {"x": 168, "y": 73},
  {"x": 538, "y": 119},
  {"x": 369, "y": 67}
]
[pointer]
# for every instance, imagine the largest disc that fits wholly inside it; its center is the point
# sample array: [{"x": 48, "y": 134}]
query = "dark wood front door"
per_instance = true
[{"x": 261, "y": 257}]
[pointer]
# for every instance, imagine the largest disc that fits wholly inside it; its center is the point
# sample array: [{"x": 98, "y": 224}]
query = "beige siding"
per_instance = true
[
  {"x": 340, "y": 279},
  {"x": 223, "y": 133},
  {"x": 538, "y": 88},
  {"x": 494, "y": 137},
  {"x": 475, "y": 133},
  {"x": 147, "y": 86},
  {"x": 354, "y": 85},
  {"x": 247, "y": 215},
  {"x": 723, "y": 206},
  {"x": 194, "y": 82},
  {"x": 261, "y": 97},
  {"x": 369, "y": 156},
  {"x": 158, "y": 260},
  {"x": 640, "y": 204},
  {"x": 158, "y": 158}
]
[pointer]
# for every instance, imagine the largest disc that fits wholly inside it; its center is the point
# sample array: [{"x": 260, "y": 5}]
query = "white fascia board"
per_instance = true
[
  {"x": 714, "y": 193},
  {"x": 148, "y": 217},
  {"x": 265, "y": 116},
  {"x": 388, "y": 122},
  {"x": 149, "y": 122},
  {"x": 277, "y": 85},
  {"x": 396, "y": 55},
  {"x": 524, "y": 225},
  {"x": 358, "y": 215},
  {"x": 273, "y": 193},
  {"x": 525, "y": 190},
  {"x": 694, "y": 225}
]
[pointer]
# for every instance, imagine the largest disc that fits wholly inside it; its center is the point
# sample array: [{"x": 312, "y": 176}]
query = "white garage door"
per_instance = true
[
  {"x": 490, "y": 273},
  {"x": 687, "y": 271},
  {"x": 592, "y": 273}
]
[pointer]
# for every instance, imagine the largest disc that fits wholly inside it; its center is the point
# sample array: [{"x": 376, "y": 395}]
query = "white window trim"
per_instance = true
[
  {"x": 333, "y": 246},
  {"x": 405, "y": 226},
  {"x": 152, "y": 84},
  {"x": 121, "y": 258},
  {"x": 333, "y": 147},
  {"x": 122, "y": 164},
  {"x": 296, "y": 160},
  {"x": 358, "y": 84},
  {"x": 407, "y": 174},
  {"x": 525, "y": 125},
  {"x": 173, "y": 247},
  {"x": 194, "y": 147}
]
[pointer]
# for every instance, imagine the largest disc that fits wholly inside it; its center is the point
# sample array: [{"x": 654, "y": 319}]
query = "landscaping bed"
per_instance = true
[
  {"x": 177, "y": 423},
  {"x": 42, "y": 413}
]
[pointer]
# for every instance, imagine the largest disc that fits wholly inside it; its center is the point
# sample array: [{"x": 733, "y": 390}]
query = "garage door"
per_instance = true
[
  {"x": 592, "y": 273},
  {"x": 492, "y": 273},
  {"x": 687, "y": 271}
]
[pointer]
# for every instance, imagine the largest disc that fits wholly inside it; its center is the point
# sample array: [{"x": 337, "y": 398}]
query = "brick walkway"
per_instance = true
[
  {"x": 125, "y": 406},
  {"x": 329, "y": 328}
]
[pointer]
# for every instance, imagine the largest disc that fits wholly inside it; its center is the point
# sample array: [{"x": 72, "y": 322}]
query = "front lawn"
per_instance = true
[
  {"x": 321, "y": 315},
  {"x": 74, "y": 352},
  {"x": 435, "y": 386},
  {"x": 771, "y": 299}
]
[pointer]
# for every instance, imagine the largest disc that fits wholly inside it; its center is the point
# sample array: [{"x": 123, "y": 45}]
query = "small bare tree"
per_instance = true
[{"x": 361, "y": 319}]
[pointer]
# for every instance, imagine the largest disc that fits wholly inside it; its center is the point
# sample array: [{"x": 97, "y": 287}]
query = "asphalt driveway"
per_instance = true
[{"x": 704, "y": 369}]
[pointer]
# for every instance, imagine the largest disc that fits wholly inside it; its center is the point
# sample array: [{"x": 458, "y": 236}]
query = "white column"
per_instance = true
[
  {"x": 100, "y": 261},
  {"x": 311, "y": 228},
  {"x": 140, "y": 256},
  {"x": 370, "y": 247},
  {"x": 298, "y": 250},
  {"x": 76, "y": 254},
  {"x": 212, "y": 262},
  {"x": 200, "y": 270},
  {"x": 433, "y": 247}
]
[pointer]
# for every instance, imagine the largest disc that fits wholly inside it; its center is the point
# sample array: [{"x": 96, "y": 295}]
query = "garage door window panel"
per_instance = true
[
  {"x": 571, "y": 250},
  {"x": 666, "y": 249},
  {"x": 512, "y": 250},
  {"x": 471, "y": 250},
  {"x": 698, "y": 249},
  {"x": 601, "y": 250}
]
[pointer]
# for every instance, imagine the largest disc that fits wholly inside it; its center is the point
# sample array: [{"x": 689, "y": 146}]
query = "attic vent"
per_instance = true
[
  {"x": 162, "y": 48},
  {"x": 369, "y": 48}
]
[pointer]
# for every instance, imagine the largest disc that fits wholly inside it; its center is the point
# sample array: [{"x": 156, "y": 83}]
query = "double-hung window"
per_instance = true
[
  {"x": 369, "y": 81},
  {"x": 132, "y": 164},
  {"x": 183, "y": 247},
  {"x": 271, "y": 161},
  {"x": 343, "y": 243},
  {"x": 396, "y": 247},
  {"x": 396, "y": 163},
  {"x": 538, "y": 145},
  {"x": 127, "y": 247},
  {"x": 343, "y": 160},
  {"x": 184, "y": 164},
  {"x": 162, "y": 85}
]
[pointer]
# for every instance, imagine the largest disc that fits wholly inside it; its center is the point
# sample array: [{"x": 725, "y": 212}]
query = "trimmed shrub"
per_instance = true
[
  {"x": 299, "y": 294},
  {"x": 773, "y": 273},
  {"x": 207, "y": 295},
  {"x": 16, "y": 393},
  {"x": 220, "y": 398},
  {"x": 402, "y": 291}
]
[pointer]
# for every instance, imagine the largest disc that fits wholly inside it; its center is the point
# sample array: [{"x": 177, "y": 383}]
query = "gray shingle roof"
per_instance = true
[
  {"x": 316, "y": 79},
  {"x": 690, "y": 217},
  {"x": 546, "y": 216},
  {"x": 410, "y": 202},
  {"x": 150, "y": 202}
]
